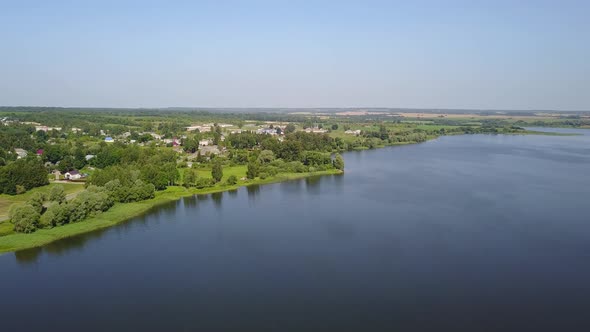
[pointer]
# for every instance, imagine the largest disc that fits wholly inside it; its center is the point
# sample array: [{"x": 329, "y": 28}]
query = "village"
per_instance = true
[{"x": 209, "y": 139}]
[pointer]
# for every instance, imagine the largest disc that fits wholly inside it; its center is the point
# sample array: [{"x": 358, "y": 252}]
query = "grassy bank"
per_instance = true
[
  {"x": 122, "y": 212},
  {"x": 6, "y": 201}
]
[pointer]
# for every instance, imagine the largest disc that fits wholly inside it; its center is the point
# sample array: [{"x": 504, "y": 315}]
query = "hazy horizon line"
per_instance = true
[{"x": 360, "y": 108}]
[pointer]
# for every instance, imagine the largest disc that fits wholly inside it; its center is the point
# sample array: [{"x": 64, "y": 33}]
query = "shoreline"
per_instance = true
[{"x": 122, "y": 212}]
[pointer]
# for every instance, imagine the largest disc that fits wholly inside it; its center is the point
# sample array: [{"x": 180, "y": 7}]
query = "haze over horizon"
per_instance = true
[{"x": 496, "y": 55}]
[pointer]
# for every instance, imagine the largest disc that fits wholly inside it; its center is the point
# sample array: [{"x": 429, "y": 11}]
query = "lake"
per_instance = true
[{"x": 478, "y": 232}]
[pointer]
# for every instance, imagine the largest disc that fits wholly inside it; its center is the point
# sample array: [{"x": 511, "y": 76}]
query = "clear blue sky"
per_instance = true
[{"x": 425, "y": 54}]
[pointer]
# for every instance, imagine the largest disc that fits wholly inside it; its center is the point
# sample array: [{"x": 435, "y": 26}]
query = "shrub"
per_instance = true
[
  {"x": 25, "y": 219},
  {"x": 204, "y": 182},
  {"x": 20, "y": 189},
  {"x": 57, "y": 194},
  {"x": 232, "y": 180},
  {"x": 253, "y": 170},
  {"x": 56, "y": 215},
  {"x": 36, "y": 201}
]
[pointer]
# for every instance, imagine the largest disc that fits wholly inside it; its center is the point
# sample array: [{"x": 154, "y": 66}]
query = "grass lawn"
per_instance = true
[{"x": 205, "y": 172}]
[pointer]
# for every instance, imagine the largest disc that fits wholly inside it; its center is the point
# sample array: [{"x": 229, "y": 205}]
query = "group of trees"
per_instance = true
[
  {"x": 159, "y": 175},
  {"x": 267, "y": 165},
  {"x": 191, "y": 178},
  {"x": 133, "y": 192},
  {"x": 298, "y": 152},
  {"x": 16, "y": 136},
  {"x": 47, "y": 211},
  {"x": 22, "y": 175}
]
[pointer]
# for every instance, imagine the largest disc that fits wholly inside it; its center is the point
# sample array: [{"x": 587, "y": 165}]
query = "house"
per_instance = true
[
  {"x": 76, "y": 130},
  {"x": 204, "y": 142},
  {"x": 202, "y": 129},
  {"x": 73, "y": 175},
  {"x": 210, "y": 149},
  {"x": 109, "y": 139},
  {"x": 40, "y": 152},
  {"x": 46, "y": 129},
  {"x": 156, "y": 136},
  {"x": 316, "y": 130},
  {"x": 20, "y": 153},
  {"x": 353, "y": 132},
  {"x": 268, "y": 131},
  {"x": 89, "y": 156},
  {"x": 57, "y": 174}
]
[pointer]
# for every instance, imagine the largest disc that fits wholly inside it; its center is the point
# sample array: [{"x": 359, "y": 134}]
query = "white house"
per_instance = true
[
  {"x": 353, "y": 132},
  {"x": 201, "y": 129},
  {"x": 204, "y": 142},
  {"x": 73, "y": 175},
  {"x": 46, "y": 129}
]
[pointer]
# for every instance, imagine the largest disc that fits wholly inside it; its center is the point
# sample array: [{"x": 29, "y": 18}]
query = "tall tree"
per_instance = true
[
  {"x": 217, "y": 171},
  {"x": 339, "y": 162}
]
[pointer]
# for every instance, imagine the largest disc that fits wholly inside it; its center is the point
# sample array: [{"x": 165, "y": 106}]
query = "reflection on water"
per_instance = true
[
  {"x": 61, "y": 247},
  {"x": 190, "y": 202},
  {"x": 27, "y": 256},
  {"x": 217, "y": 197},
  {"x": 253, "y": 192},
  {"x": 165, "y": 212}
]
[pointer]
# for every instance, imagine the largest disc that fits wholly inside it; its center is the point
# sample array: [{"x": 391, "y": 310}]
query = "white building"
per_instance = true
[
  {"x": 73, "y": 175},
  {"x": 353, "y": 132},
  {"x": 201, "y": 129},
  {"x": 46, "y": 129},
  {"x": 20, "y": 153}
]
